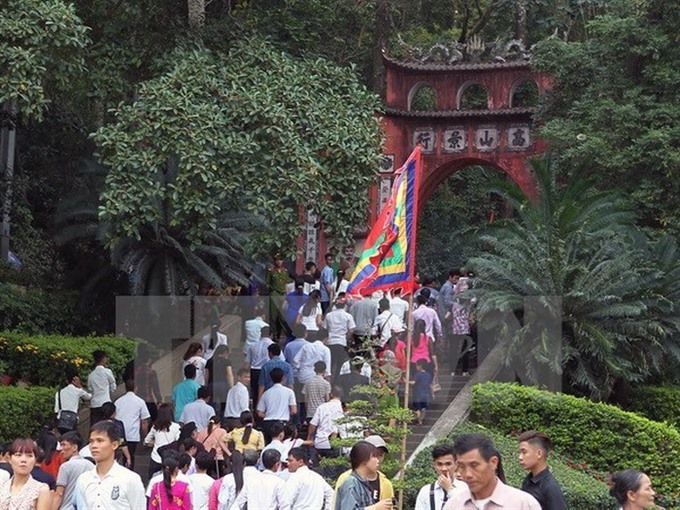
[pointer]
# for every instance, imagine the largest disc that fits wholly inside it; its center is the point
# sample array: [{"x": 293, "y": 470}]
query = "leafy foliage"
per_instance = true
[
  {"x": 35, "y": 311},
  {"x": 603, "y": 436},
  {"x": 580, "y": 245},
  {"x": 451, "y": 218},
  {"x": 615, "y": 106},
  {"x": 253, "y": 128},
  {"x": 34, "y": 405},
  {"x": 39, "y": 43},
  {"x": 46, "y": 358},
  {"x": 580, "y": 489},
  {"x": 658, "y": 403}
]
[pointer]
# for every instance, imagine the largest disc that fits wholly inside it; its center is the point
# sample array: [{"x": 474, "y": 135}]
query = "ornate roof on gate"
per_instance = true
[
  {"x": 473, "y": 55},
  {"x": 456, "y": 66}
]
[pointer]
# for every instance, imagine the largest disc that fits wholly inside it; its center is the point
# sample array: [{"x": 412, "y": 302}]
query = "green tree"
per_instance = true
[
  {"x": 615, "y": 106},
  {"x": 581, "y": 245},
  {"x": 252, "y": 130},
  {"x": 40, "y": 42}
]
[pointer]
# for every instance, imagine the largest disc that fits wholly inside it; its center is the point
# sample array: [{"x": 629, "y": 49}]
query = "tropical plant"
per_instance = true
[
  {"x": 162, "y": 261},
  {"x": 581, "y": 246}
]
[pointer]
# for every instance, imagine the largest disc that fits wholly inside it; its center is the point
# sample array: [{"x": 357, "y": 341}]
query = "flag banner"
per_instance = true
[{"x": 389, "y": 256}]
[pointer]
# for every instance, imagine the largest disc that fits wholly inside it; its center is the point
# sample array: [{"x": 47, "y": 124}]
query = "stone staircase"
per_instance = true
[{"x": 451, "y": 385}]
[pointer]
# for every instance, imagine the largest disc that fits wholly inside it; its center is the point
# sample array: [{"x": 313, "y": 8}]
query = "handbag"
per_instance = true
[
  {"x": 68, "y": 420},
  {"x": 435, "y": 386}
]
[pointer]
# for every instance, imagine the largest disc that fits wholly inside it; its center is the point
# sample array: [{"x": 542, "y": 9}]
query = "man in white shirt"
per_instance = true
[
  {"x": 476, "y": 462},
  {"x": 433, "y": 496},
  {"x": 306, "y": 490},
  {"x": 398, "y": 306},
  {"x": 322, "y": 426},
  {"x": 198, "y": 411},
  {"x": 201, "y": 482},
  {"x": 264, "y": 491},
  {"x": 238, "y": 399},
  {"x": 385, "y": 322},
  {"x": 65, "y": 494},
  {"x": 311, "y": 352},
  {"x": 277, "y": 403},
  {"x": 256, "y": 356},
  {"x": 252, "y": 329},
  {"x": 101, "y": 383},
  {"x": 68, "y": 398},
  {"x": 212, "y": 340},
  {"x": 132, "y": 411},
  {"x": 340, "y": 326},
  {"x": 109, "y": 486}
]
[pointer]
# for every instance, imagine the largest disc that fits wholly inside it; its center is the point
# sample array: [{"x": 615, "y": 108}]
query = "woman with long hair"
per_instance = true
[
  {"x": 211, "y": 439},
  {"x": 22, "y": 491},
  {"x": 163, "y": 432},
  {"x": 310, "y": 313},
  {"x": 246, "y": 437},
  {"x": 219, "y": 377},
  {"x": 194, "y": 356},
  {"x": 423, "y": 348},
  {"x": 171, "y": 493}
]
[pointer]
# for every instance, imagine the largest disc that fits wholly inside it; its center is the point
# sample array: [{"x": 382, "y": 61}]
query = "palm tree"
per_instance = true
[
  {"x": 162, "y": 261},
  {"x": 580, "y": 245}
]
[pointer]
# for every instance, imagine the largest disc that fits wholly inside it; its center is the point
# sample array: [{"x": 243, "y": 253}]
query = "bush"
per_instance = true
[
  {"x": 36, "y": 311},
  {"x": 658, "y": 403},
  {"x": 597, "y": 435},
  {"x": 580, "y": 490},
  {"x": 46, "y": 359},
  {"x": 24, "y": 411}
]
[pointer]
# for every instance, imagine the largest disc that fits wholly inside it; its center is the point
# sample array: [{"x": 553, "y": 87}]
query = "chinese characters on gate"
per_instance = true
[{"x": 486, "y": 138}]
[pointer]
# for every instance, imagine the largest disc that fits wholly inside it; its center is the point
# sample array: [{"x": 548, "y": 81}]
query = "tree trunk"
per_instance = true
[
  {"x": 382, "y": 35},
  {"x": 521, "y": 21},
  {"x": 7, "y": 149},
  {"x": 196, "y": 15}
]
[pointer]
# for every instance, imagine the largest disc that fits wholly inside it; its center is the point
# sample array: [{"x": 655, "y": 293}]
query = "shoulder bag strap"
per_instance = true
[{"x": 432, "y": 506}]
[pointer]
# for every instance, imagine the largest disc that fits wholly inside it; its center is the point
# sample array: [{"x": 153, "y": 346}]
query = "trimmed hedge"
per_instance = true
[
  {"x": 36, "y": 311},
  {"x": 658, "y": 403},
  {"x": 46, "y": 358},
  {"x": 597, "y": 435},
  {"x": 24, "y": 411},
  {"x": 580, "y": 490}
]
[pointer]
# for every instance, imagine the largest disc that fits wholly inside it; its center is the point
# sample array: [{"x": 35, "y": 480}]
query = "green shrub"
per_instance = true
[
  {"x": 580, "y": 490},
  {"x": 36, "y": 311},
  {"x": 597, "y": 435},
  {"x": 24, "y": 411},
  {"x": 45, "y": 359},
  {"x": 658, "y": 403}
]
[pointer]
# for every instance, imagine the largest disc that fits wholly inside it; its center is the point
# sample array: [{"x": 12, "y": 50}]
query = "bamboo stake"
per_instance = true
[{"x": 407, "y": 388}]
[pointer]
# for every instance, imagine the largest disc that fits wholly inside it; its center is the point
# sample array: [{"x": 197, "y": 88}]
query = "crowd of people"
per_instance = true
[{"x": 250, "y": 430}]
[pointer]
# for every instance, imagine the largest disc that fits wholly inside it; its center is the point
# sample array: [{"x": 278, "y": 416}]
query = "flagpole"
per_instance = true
[
  {"x": 409, "y": 322},
  {"x": 407, "y": 388}
]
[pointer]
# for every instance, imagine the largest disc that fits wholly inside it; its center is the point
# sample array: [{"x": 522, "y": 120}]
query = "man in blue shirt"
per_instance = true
[
  {"x": 327, "y": 278},
  {"x": 266, "y": 382},
  {"x": 186, "y": 391},
  {"x": 291, "y": 306},
  {"x": 292, "y": 348}
]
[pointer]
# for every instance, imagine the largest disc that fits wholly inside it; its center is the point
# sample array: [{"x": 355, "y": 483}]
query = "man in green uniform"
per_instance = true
[{"x": 276, "y": 279}]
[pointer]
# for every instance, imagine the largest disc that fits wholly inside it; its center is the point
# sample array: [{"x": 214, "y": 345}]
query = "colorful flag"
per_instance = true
[{"x": 389, "y": 256}]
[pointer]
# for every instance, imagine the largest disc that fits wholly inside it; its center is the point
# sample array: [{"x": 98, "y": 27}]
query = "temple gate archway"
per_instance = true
[{"x": 481, "y": 114}]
